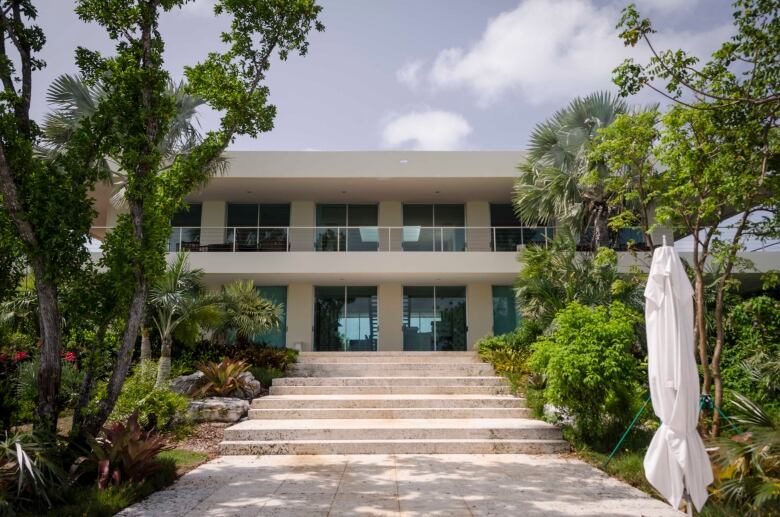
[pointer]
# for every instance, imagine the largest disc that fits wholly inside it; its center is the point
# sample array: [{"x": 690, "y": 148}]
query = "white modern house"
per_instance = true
[{"x": 367, "y": 251}]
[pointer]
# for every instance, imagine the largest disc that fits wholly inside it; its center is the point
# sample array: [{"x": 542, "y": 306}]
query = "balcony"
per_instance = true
[{"x": 356, "y": 239}]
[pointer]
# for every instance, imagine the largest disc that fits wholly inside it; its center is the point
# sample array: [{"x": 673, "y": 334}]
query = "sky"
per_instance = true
[{"x": 417, "y": 74}]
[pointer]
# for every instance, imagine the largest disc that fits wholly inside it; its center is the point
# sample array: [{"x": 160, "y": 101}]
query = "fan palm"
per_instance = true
[
  {"x": 557, "y": 182},
  {"x": 245, "y": 313},
  {"x": 76, "y": 100},
  {"x": 21, "y": 311},
  {"x": 177, "y": 298}
]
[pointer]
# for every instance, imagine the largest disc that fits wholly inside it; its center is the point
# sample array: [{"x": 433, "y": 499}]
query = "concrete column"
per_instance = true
[
  {"x": 302, "y": 214},
  {"x": 391, "y": 213},
  {"x": 479, "y": 312},
  {"x": 300, "y": 315},
  {"x": 478, "y": 215},
  {"x": 213, "y": 220},
  {"x": 391, "y": 336}
]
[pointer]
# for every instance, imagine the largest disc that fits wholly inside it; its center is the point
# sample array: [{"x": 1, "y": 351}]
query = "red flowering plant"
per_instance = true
[
  {"x": 21, "y": 356},
  {"x": 68, "y": 356}
]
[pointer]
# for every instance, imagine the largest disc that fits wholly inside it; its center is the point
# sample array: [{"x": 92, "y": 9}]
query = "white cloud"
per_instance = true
[
  {"x": 200, "y": 8},
  {"x": 547, "y": 51},
  {"x": 409, "y": 73},
  {"x": 430, "y": 130},
  {"x": 664, "y": 6}
]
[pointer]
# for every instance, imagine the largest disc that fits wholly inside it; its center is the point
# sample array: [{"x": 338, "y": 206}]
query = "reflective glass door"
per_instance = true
[
  {"x": 434, "y": 318},
  {"x": 345, "y": 319}
]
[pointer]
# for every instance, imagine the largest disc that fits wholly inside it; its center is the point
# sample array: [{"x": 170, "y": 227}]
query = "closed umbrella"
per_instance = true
[{"x": 676, "y": 460}]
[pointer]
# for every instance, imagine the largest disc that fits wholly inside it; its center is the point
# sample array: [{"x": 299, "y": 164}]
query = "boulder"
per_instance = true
[
  {"x": 251, "y": 387},
  {"x": 218, "y": 409},
  {"x": 188, "y": 384}
]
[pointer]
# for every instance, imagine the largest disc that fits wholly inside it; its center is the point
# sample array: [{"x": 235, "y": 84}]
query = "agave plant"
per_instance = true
[
  {"x": 26, "y": 468},
  {"x": 223, "y": 378},
  {"x": 124, "y": 453},
  {"x": 747, "y": 465}
]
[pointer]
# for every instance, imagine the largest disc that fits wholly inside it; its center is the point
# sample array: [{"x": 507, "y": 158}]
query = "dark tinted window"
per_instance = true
[
  {"x": 240, "y": 214},
  {"x": 188, "y": 216},
  {"x": 275, "y": 215}
]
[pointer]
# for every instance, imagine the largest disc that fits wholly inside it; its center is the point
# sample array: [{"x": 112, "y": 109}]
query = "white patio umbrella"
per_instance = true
[{"x": 676, "y": 460}]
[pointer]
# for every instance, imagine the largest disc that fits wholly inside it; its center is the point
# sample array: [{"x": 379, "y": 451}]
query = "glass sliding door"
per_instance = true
[
  {"x": 347, "y": 228},
  {"x": 505, "y": 317},
  {"x": 434, "y": 318},
  {"x": 185, "y": 231},
  {"x": 430, "y": 227},
  {"x": 275, "y": 337},
  {"x": 345, "y": 319}
]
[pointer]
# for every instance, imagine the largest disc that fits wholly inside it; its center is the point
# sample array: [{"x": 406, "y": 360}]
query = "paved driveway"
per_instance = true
[{"x": 408, "y": 485}]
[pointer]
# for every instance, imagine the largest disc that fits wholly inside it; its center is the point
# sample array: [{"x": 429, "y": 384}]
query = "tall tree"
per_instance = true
[
  {"x": 45, "y": 201},
  {"x": 726, "y": 137},
  {"x": 551, "y": 186},
  {"x": 140, "y": 111}
]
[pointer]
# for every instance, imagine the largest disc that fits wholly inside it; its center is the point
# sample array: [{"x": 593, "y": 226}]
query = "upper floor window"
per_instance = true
[
  {"x": 434, "y": 227},
  {"x": 257, "y": 227},
  {"x": 185, "y": 228},
  {"x": 343, "y": 227},
  {"x": 253, "y": 214}
]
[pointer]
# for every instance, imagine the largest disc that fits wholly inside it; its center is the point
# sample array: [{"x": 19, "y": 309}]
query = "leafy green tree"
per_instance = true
[
  {"x": 719, "y": 148},
  {"x": 177, "y": 297},
  {"x": 245, "y": 313},
  {"x": 555, "y": 275},
  {"x": 45, "y": 201},
  {"x": 551, "y": 186}
]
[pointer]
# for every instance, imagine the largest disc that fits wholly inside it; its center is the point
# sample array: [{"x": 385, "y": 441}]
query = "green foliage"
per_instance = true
[
  {"x": 747, "y": 465},
  {"x": 124, "y": 452},
  {"x": 266, "y": 375},
  {"x": 510, "y": 352},
  {"x": 156, "y": 407},
  {"x": 222, "y": 378},
  {"x": 752, "y": 364},
  {"x": 552, "y": 276},
  {"x": 245, "y": 313},
  {"x": 265, "y": 356},
  {"x": 590, "y": 372},
  {"x": 29, "y": 470},
  {"x": 27, "y": 387},
  {"x": 183, "y": 457}
]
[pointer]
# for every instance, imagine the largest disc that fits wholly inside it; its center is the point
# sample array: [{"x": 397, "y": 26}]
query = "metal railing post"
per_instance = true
[
  {"x": 338, "y": 239},
  {"x": 287, "y": 238},
  {"x": 234, "y": 239},
  {"x": 495, "y": 243},
  {"x": 181, "y": 231},
  {"x": 441, "y": 239}
]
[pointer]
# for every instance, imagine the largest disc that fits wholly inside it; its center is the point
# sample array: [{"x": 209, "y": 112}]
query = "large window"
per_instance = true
[
  {"x": 434, "y": 318},
  {"x": 347, "y": 227},
  {"x": 429, "y": 227},
  {"x": 345, "y": 318},
  {"x": 185, "y": 228},
  {"x": 505, "y": 317},
  {"x": 257, "y": 227},
  {"x": 509, "y": 232},
  {"x": 275, "y": 337}
]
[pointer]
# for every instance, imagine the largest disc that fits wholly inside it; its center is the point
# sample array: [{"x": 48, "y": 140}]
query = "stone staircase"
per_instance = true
[{"x": 390, "y": 402}]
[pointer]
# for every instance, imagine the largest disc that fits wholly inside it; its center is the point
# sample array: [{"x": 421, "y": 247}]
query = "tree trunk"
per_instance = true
[
  {"x": 146, "y": 345},
  {"x": 600, "y": 227},
  {"x": 164, "y": 367},
  {"x": 700, "y": 330},
  {"x": 87, "y": 384},
  {"x": 50, "y": 361},
  {"x": 720, "y": 337}
]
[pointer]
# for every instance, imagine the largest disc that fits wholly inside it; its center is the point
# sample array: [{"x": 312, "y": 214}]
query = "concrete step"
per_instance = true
[
  {"x": 389, "y": 381},
  {"x": 390, "y": 370},
  {"x": 393, "y": 429},
  {"x": 389, "y": 390},
  {"x": 372, "y": 413},
  {"x": 432, "y": 446},
  {"x": 387, "y": 357},
  {"x": 321, "y": 401}
]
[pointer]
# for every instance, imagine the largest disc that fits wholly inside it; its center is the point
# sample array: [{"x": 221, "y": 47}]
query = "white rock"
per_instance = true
[
  {"x": 218, "y": 409},
  {"x": 188, "y": 384}
]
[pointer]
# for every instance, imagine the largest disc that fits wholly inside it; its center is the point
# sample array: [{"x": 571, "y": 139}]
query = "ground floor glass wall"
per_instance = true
[
  {"x": 434, "y": 318},
  {"x": 505, "y": 317},
  {"x": 274, "y": 337},
  {"x": 345, "y": 318}
]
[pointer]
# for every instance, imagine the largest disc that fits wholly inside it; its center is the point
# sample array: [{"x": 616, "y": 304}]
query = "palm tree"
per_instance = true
[
  {"x": 557, "y": 182},
  {"x": 175, "y": 299},
  {"x": 76, "y": 100},
  {"x": 555, "y": 275},
  {"x": 245, "y": 313},
  {"x": 21, "y": 311}
]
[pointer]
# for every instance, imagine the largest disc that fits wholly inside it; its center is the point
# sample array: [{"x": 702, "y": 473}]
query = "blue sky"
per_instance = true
[{"x": 419, "y": 74}]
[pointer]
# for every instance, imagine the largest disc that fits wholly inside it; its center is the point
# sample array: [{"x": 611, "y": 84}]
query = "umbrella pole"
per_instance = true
[{"x": 625, "y": 434}]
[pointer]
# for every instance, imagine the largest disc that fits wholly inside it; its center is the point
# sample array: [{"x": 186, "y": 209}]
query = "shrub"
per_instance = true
[
  {"x": 590, "y": 373},
  {"x": 251, "y": 353},
  {"x": 223, "y": 378},
  {"x": 266, "y": 356},
  {"x": 265, "y": 375},
  {"x": 27, "y": 387},
  {"x": 124, "y": 452},
  {"x": 509, "y": 353},
  {"x": 156, "y": 407},
  {"x": 29, "y": 469}
]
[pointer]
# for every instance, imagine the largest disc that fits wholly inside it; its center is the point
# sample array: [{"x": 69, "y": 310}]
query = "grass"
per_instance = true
[{"x": 184, "y": 458}]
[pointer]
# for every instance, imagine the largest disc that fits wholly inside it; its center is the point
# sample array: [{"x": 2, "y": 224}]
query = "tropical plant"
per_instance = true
[
  {"x": 550, "y": 187},
  {"x": 156, "y": 407},
  {"x": 26, "y": 391},
  {"x": 509, "y": 353},
  {"x": 747, "y": 465},
  {"x": 20, "y": 312},
  {"x": 223, "y": 378},
  {"x": 552, "y": 276},
  {"x": 27, "y": 469},
  {"x": 264, "y": 356},
  {"x": 245, "y": 313},
  {"x": 591, "y": 374},
  {"x": 175, "y": 298},
  {"x": 124, "y": 452}
]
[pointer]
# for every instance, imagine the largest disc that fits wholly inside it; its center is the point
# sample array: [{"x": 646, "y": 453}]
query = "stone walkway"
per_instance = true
[{"x": 395, "y": 485}]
